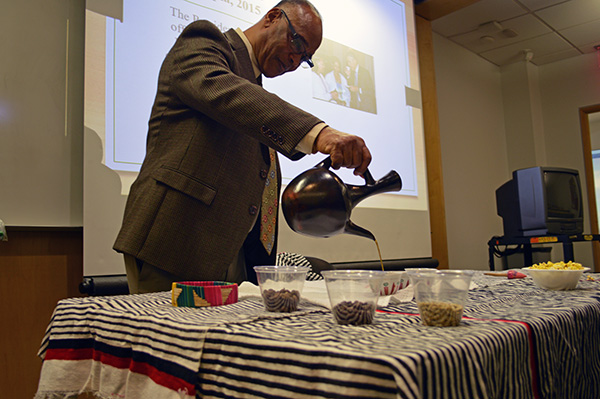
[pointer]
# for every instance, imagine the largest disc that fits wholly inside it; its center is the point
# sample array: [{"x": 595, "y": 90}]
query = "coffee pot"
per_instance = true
[{"x": 319, "y": 204}]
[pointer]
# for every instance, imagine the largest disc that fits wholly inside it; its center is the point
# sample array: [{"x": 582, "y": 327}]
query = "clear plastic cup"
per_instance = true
[
  {"x": 393, "y": 281},
  {"x": 353, "y": 294},
  {"x": 281, "y": 286},
  {"x": 440, "y": 294}
]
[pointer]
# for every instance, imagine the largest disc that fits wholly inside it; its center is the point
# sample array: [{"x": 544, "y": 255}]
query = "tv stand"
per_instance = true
[{"x": 565, "y": 239}]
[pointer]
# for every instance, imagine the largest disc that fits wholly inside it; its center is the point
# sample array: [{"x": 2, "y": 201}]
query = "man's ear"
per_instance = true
[{"x": 271, "y": 16}]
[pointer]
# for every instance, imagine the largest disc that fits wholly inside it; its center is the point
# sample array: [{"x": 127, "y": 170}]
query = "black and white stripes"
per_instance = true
[
  {"x": 294, "y": 259},
  {"x": 515, "y": 341}
]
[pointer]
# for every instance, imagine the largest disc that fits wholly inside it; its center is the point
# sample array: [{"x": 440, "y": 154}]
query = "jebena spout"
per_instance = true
[{"x": 353, "y": 229}]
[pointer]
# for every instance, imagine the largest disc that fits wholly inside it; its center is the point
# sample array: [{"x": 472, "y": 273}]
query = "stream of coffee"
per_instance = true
[{"x": 379, "y": 251}]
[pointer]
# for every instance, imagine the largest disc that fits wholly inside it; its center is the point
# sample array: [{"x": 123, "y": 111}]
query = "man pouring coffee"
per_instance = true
[{"x": 204, "y": 205}]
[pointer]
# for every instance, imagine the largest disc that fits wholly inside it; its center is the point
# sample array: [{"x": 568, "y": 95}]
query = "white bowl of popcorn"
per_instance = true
[{"x": 556, "y": 276}]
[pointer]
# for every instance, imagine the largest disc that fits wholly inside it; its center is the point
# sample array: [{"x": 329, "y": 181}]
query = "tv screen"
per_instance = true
[
  {"x": 562, "y": 195},
  {"x": 541, "y": 201}
]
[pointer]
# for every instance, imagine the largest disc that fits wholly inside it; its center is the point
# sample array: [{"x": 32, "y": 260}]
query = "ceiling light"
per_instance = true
[{"x": 490, "y": 28}]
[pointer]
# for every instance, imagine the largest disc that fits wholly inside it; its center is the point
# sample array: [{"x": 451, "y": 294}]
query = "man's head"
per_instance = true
[
  {"x": 351, "y": 61},
  {"x": 286, "y": 36},
  {"x": 336, "y": 65}
]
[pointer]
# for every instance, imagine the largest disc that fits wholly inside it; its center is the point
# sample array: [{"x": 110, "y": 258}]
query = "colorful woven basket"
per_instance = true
[{"x": 203, "y": 293}]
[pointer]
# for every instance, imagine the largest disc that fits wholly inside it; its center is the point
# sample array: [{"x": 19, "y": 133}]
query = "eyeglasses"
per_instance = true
[{"x": 298, "y": 43}]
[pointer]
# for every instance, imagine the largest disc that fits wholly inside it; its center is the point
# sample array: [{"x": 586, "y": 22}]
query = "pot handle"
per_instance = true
[{"x": 326, "y": 163}]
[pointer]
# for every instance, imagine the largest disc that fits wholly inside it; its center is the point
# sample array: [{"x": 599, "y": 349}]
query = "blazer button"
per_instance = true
[
  {"x": 263, "y": 174},
  {"x": 266, "y": 131},
  {"x": 253, "y": 210},
  {"x": 280, "y": 139}
]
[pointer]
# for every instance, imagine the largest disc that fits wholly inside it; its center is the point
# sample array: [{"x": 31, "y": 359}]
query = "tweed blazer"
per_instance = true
[{"x": 199, "y": 189}]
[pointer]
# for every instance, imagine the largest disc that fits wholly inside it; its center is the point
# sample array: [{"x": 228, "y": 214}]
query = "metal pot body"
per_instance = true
[{"x": 318, "y": 203}]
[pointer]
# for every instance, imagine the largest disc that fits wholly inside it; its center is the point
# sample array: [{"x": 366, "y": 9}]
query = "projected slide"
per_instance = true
[{"x": 358, "y": 84}]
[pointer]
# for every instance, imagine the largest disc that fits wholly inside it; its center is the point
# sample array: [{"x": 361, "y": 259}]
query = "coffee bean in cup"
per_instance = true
[
  {"x": 283, "y": 301},
  {"x": 354, "y": 312}
]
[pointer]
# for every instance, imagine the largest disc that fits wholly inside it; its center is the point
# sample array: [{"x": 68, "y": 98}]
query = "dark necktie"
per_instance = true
[{"x": 268, "y": 210}]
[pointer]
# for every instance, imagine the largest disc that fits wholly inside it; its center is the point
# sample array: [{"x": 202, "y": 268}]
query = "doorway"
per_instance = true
[{"x": 589, "y": 118}]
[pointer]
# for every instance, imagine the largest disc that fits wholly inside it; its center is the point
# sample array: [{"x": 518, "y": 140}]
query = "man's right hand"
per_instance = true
[{"x": 346, "y": 150}]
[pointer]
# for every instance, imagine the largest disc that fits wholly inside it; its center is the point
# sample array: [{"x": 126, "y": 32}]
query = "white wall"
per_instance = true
[
  {"x": 41, "y": 112},
  {"x": 474, "y": 154},
  {"x": 478, "y": 142},
  {"x": 567, "y": 86}
]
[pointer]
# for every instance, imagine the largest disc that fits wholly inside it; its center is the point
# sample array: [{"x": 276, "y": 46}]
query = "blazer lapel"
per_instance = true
[{"x": 241, "y": 54}]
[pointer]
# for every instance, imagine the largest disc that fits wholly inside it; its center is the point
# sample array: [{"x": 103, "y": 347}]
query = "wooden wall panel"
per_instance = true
[
  {"x": 433, "y": 151},
  {"x": 589, "y": 177},
  {"x": 38, "y": 267}
]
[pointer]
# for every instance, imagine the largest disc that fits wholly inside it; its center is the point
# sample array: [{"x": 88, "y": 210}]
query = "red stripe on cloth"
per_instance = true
[
  {"x": 159, "y": 377},
  {"x": 68, "y": 354},
  {"x": 532, "y": 355},
  {"x": 111, "y": 360}
]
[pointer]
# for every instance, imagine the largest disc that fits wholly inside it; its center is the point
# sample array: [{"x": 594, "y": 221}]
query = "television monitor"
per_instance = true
[{"x": 541, "y": 201}]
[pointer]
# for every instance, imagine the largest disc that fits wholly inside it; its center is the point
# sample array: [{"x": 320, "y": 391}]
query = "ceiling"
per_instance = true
[{"x": 507, "y": 31}]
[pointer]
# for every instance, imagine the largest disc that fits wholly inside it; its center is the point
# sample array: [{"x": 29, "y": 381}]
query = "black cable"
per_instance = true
[{"x": 498, "y": 253}]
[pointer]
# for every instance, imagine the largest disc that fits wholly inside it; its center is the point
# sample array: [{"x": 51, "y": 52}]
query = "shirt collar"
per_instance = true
[{"x": 250, "y": 51}]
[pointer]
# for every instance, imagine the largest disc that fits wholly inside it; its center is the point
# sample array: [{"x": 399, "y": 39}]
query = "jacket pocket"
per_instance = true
[{"x": 185, "y": 183}]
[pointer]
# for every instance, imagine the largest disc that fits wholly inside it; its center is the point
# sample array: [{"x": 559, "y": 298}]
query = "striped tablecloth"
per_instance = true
[{"x": 515, "y": 341}]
